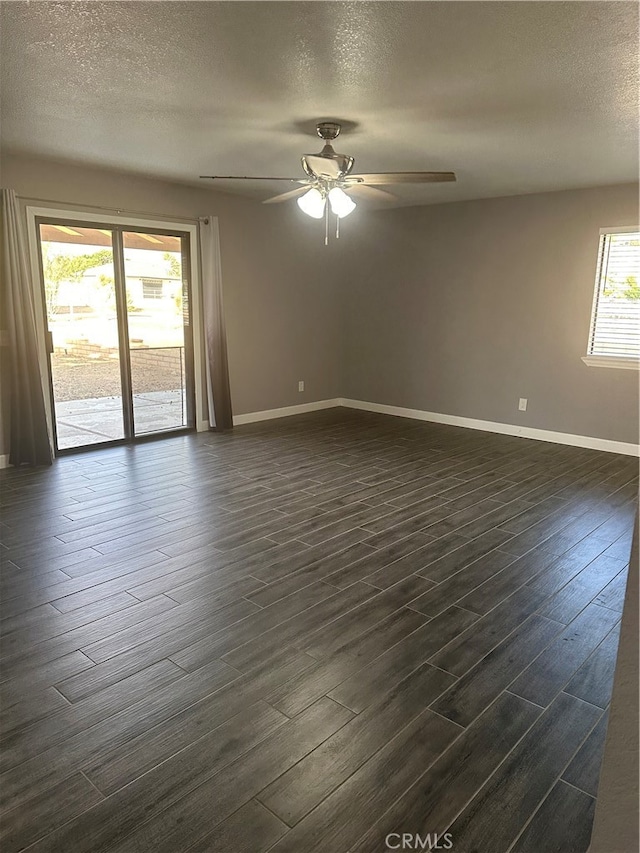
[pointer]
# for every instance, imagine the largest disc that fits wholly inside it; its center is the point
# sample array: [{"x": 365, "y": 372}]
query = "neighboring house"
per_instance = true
[{"x": 149, "y": 284}]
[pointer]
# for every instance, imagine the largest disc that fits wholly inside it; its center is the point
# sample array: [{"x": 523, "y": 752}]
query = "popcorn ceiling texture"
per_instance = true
[{"x": 515, "y": 97}]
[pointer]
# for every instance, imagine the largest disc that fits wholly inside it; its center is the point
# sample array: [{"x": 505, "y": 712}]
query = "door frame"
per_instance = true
[{"x": 87, "y": 218}]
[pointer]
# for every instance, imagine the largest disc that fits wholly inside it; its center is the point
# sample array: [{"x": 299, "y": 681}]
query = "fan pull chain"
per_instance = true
[
  {"x": 326, "y": 224},
  {"x": 337, "y": 227}
]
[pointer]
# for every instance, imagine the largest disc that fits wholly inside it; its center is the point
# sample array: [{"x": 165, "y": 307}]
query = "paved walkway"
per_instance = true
[{"x": 92, "y": 421}]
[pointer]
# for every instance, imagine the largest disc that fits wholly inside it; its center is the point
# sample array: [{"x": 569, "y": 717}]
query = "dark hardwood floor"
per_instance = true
[{"x": 307, "y": 635}]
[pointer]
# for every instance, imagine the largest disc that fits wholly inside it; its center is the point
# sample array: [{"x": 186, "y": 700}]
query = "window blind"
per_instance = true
[{"x": 615, "y": 325}]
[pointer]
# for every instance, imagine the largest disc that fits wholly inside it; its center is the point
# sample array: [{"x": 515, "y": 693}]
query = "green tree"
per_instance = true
[
  {"x": 175, "y": 266},
  {"x": 626, "y": 288},
  {"x": 632, "y": 289},
  {"x": 175, "y": 271},
  {"x": 108, "y": 282},
  {"x": 59, "y": 268}
]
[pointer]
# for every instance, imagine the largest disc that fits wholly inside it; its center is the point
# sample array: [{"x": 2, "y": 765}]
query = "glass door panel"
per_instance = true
[
  {"x": 157, "y": 318},
  {"x": 84, "y": 342}
]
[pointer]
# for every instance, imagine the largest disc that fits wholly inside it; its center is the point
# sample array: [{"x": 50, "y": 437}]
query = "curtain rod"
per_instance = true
[{"x": 112, "y": 209}]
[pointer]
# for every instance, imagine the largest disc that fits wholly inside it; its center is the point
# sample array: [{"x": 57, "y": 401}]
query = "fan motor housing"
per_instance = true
[{"x": 328, "y": 129}]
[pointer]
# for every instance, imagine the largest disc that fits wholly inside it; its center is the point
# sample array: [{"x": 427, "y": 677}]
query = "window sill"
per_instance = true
[{"x": 612, "y": 361}]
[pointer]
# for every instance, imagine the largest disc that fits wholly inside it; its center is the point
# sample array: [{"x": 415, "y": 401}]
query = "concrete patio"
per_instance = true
[{"x": 99, "y": 419}]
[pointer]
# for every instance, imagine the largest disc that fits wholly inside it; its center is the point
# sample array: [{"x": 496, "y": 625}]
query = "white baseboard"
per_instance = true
[
  {"x": 4, "y": 460},
  {"x": 588, "y": 441},
  {"x": 270, "y": 414}
]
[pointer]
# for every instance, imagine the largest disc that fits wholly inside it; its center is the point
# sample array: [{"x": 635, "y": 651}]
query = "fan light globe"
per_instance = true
[
  {"x": 312, "y": 203},
  {"x": 340, "y": 202}
]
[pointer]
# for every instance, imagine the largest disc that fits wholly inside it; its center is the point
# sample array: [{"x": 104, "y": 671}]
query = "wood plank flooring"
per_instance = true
[{"x": 307, "y": 635}]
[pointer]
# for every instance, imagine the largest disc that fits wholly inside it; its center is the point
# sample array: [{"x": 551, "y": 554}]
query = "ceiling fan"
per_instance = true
[{"x": 330, "y": 179}]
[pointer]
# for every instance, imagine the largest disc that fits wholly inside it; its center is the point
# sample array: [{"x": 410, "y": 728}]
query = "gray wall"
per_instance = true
[
  {"x": 463, "y": 308},
  {"x": 459, "y": 309},
  {"x": 281, "y": 307}
]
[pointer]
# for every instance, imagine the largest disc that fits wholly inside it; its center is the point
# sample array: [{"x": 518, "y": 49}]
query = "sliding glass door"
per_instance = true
[
  {"x": 119, "y": 331},
  {"x": 157, "y": 330}
]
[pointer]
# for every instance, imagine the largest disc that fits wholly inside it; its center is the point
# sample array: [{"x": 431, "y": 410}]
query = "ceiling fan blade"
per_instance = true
[
  {"x": 276, "y": 199},
  {"x": 403, "y": 178},
  {"x": 250, "y": 178},
  {"x": 369, "y": 193}
]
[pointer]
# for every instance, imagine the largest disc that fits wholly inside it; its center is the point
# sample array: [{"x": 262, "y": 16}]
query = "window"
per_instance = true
[
  {"x": 152, "y": 288},
  {"x": 614, "y": 336}
]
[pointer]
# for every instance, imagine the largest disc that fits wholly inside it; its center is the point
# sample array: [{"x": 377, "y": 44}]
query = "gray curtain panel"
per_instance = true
[
  {"x": 29, "y": 439},
  {"x": 217, "y": 365}
]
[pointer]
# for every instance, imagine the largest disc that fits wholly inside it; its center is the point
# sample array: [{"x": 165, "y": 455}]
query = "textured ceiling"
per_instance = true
[{"x": 515, "y": 97}]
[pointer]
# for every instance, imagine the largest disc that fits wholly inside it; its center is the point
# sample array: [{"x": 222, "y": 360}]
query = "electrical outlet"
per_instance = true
[
  {"x": 522, "y": 404},
  {"x": 301, "y": 385}
]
